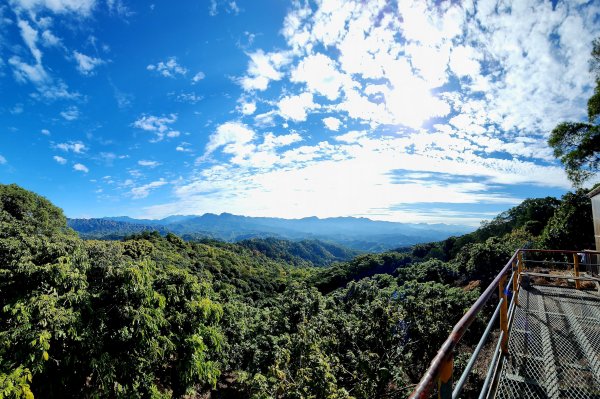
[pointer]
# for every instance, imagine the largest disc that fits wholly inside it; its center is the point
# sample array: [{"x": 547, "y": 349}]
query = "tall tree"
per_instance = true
[{"x": 577, "y": 144}]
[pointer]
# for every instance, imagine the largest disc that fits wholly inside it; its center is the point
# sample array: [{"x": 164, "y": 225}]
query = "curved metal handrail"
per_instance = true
[{"x": 439, "y": 364}]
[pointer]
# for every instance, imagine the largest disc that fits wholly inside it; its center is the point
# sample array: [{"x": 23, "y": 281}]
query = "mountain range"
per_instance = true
[{"x": 356, "y": 233}]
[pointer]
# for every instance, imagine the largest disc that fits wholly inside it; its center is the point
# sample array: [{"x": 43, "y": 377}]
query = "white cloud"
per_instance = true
[
  {"x": 60, "y": 160},
  {"x": 72, "y": 146},
  {"x": 272, "y": 141},
  {"x": 30, "y": 37},
  {"x": 17, "y": 109},
  {"x": 198, "y": 77},
  {"x": 70, "y": 113},
  {"x": 118, "y": 7},
  {"x": 190, "y": 98},
  {"x": 234, "y": 134},
  {"x": 49, "y": 39},
  {"x": 81, "y": 168},
  {"x": 296, "y": 107},
  {"x": 230, "y": 7},
  {"x": 144, "y": 190},
  {"x": 332, "y": 123},
  {"x": 150, "y": 164},
  {"x": 25, "y": 72},
  {"x": 183, "y": 147},
  {"x": 320, "y": 75},
  {"x": 464, "y": 61},
  {"x": 159, "y": 125},
  {"x": 169, "y": 68},
  {"x": 57, "y": 90},
  {"x": 86, "y": 64},
  {"x": 263, "y": 68},
  {"x": 45, "y": 132},
  {"x": 2, "y": 160},
  {"x": 351, "y": 137},
  {"x": 247, "y": 108},
  {"x": 82, "y": 7},
  {"x": 316, "y": 183}
]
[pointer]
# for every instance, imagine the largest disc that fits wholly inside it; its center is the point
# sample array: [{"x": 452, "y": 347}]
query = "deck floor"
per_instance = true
[{"x": 554, "y": 345}]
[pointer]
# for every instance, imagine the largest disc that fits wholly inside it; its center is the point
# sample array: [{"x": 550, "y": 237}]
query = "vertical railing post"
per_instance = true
[
  {"x": 521, "y": 262},
  {"x": 515, "y": 283},
  {"x": 576, "y": 270},
  {"x": 445, "y": 378},
  {"x": 503, "y": 314}
]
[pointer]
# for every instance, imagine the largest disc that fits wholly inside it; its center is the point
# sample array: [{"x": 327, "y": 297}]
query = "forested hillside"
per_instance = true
[{"x": 155, "y": 316}]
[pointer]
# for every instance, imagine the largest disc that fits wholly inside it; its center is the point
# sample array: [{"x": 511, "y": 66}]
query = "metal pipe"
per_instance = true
[
  {"x": 475, "y": 355},
  {"x": 490, "y": 373},
  {"x": 559, "y": 251},
  {"x": 550, "y": 261}
]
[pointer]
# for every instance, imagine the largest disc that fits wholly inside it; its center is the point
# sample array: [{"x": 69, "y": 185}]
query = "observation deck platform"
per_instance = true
[
  {"x": 548, "y": 346},
  {"x": 554, "y": 345}
]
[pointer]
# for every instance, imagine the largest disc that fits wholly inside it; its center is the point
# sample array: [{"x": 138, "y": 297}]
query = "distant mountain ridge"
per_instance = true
[{"x": 356, "y": 233}]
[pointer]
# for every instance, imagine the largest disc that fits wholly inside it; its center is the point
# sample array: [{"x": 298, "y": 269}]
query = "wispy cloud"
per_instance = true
[
  {"x": 144, "y": 190},
  {"x": 150, "y": 164},
  {"x": 86, "y": 64},
  {"x": 169, "y": 68},
  {"x": 159, "y": 125},
  {"x": 198, "y": 77},
  {"x": 81, "y": 7},
  {"x": 81, "y": 168},
  {"x": 72, "y": 146},
  {"x": 70, "y": 113},
  {"x": 59, "y": 159}
]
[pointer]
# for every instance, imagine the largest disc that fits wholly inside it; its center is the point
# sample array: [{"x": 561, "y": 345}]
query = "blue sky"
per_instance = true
[{"x": 403, "y": 111}]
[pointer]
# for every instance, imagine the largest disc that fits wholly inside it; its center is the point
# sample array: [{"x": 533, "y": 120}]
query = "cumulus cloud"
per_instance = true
[
  {"x": 263, "y": 68},
  {"x": 458, "y": 97},
  {"x": 72, "y": 146},
  {"x": 81, "y": 168},
  {"x": 198, "y": 77},
  {"x": 234, "y": 134},
  {"x": 297, "y": 107},
  {"x": 247, "y": 108},
  {"x": 60, "y": 160},
  {"x": 320, "y": 75},
  {"x": 169, "y": 68},
  {"x": 332, "y": 123},
  {"x": 159, "y": 125}
]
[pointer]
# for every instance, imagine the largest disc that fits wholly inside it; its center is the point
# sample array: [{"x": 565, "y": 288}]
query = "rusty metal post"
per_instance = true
[
  {"x": 503, "y": 314},
  {"x": 521, "y": 262},
  {"x": 445, "y": 378},
  {"x": 516, "y": 273},
  {"x": 576, "y": 270}
]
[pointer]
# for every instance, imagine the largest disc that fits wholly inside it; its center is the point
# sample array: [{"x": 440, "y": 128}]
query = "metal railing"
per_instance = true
[{"x": 441, "y": 370}]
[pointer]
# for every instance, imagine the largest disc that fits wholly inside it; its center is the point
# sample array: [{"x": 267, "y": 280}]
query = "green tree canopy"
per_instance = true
[{"x": 577, "y": 144}]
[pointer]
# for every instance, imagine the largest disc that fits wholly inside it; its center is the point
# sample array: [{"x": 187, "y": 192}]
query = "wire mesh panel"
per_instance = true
[{"x": 554, "y": 345}]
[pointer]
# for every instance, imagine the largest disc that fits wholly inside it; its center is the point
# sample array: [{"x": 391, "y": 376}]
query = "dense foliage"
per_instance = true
[
  {"x": 300, "y": 253},
  {"x": 154, "y": 316},
  {"x": 577, "y": 144}
]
